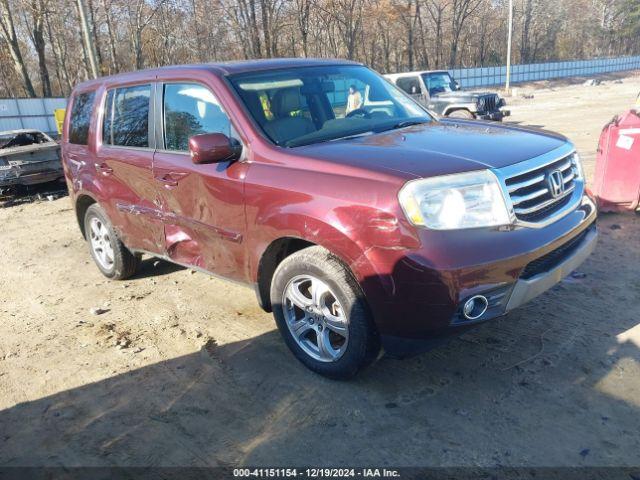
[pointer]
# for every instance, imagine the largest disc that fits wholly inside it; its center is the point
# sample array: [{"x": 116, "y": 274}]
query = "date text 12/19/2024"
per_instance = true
[{"x": 315, "y": 473}]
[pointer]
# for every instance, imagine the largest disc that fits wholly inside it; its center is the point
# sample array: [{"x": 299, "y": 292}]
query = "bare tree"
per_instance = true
[
  {"x": 347, "y": 15},
  {"x": 303, "y": 19},
  {"x": 41, "y": 40},
  {"x": 461, "y": 10},
  {"x": 436, "y": 9},
  {"x": 8, "y": 31},
  {"x": 140, "y": 14},
  {"x": 38, "y": 10},
  {"x": 113, "y": 57}
]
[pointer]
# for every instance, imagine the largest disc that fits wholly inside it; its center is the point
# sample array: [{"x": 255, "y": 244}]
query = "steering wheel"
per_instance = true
[{"x": 358, "y": 112}]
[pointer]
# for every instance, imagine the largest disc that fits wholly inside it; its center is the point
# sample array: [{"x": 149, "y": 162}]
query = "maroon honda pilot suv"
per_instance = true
[{"x": 362, "y": 221}]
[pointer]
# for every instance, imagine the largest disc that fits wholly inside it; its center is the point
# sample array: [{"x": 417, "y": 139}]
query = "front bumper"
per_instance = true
[
  {"x": 429, "y": 286},
  {"x": 496, "y": 116},
  {"x": 527, "y": 289}
]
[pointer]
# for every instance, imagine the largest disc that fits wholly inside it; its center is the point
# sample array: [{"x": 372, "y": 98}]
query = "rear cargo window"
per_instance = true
[
  {"x": 81, "y": 118},
  {"x": 126, "y": 117}
]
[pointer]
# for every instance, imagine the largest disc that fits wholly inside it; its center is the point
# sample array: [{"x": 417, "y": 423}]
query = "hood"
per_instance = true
[
  {"x": 460, "y": 96},
  {"x": 438, "y": 148}
]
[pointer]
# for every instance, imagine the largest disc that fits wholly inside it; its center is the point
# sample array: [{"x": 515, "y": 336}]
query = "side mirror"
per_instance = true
[
  {"x": 456, "y": 85},
  {"x": 213, "y": 148}
]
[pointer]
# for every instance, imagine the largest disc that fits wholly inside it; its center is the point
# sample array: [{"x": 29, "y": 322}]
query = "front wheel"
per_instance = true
[
  {"x": 461, "y": 114},
  {"x": 114, "y": 260},
  {"x": 322, "y": 314}
]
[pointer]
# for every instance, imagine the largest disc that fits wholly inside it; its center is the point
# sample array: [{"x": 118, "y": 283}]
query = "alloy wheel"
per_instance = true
[
  {"x": 315, "y": 318},
  {"x": 101, "y": 243}
]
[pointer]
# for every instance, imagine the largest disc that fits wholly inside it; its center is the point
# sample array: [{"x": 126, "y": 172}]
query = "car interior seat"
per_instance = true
[{"x": 285, "y": 127}]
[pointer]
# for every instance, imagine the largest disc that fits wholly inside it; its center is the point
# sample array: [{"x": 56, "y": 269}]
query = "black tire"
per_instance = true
[
  {"x": 124, "y": 263},
  {"x": 363, "y": 341},
  {"x": 461, "y": 114}
]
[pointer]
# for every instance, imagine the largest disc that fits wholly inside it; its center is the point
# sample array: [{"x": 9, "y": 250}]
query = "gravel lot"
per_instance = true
[{"x": 184, "y": 369}]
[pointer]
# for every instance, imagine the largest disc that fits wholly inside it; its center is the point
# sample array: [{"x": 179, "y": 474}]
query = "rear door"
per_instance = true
[
  {"x": 123, "y": 163},
  {"x": 202, "y": 205}
]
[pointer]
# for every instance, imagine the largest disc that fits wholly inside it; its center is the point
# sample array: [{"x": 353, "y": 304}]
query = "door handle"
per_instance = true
[
  {"x": 103, "y": 168},
  {"x": 170, "y": 179}
]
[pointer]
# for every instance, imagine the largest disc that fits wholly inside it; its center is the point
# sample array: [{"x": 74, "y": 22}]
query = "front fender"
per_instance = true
[
  {"x": 339, "y": 239},
  {"x": 369, "y": 239},
  {"x": 472, "y": 107}
]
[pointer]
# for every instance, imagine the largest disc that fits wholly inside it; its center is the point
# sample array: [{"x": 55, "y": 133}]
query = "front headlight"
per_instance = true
[
  {"x": 577, "y": 166},
  {"x": 463, "y": 200},
  {"x": 481, "y": 103}
]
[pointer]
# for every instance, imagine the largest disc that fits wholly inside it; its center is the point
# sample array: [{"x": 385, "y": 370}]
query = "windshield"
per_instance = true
[
  {"x": 440, "y": 82},
  {"x": 305, "y": 105}
]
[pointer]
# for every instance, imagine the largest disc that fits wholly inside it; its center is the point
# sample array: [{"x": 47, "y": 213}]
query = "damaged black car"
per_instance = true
[{"x": 28, "y": 157}]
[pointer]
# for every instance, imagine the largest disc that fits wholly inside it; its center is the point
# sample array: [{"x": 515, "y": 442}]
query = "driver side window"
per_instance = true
[
  {"x": 411, "y": 85},
  {"x": 191, "y": 109}
]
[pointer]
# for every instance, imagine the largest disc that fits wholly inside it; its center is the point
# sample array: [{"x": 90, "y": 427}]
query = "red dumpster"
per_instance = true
[{"x": 616, "y": 182}]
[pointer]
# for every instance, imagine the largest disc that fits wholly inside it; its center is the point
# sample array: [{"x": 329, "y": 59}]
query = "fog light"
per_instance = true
[{"x": 475, "y": 307}]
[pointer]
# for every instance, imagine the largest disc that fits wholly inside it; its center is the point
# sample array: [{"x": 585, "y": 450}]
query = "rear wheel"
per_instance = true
[
  {"x": 114, "y": 260},
  {"x": 322, "y": 314},
  {"x": 461, "y": 114}
]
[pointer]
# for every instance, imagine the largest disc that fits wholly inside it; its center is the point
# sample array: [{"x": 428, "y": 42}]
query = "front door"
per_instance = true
[
  {"x": 414, "y": 87},
  {"x": 202, "y": 205}
]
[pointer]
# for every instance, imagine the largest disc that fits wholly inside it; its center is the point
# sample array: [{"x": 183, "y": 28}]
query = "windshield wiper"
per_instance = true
[
  {"x": 370, "y": 131},
  {"x": 403, "y": 124},
  {"x": 409, "y": 123},
  {"x": 355, "y": 135},
  {"x": 295, "y": 143}
]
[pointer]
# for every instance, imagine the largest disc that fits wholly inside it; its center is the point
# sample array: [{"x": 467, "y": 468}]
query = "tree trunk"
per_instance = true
[
  {"x": 8, "y": 32},
  {"x": 525, "y": 42},
  {"x": 266, "y": 28},
  {"x": 112, "y": 41},
  {"x": 37, "y": 15}
]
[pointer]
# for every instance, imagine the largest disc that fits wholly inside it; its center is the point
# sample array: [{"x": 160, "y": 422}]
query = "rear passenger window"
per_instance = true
[
  {"x": 126, "y": 118},
  {"x": 191, "y": 109},
  {"x": 81, "y": 118}
]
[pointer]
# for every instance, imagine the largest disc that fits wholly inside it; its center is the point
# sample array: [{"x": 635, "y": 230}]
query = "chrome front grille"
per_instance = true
[{"x": 536, "y": 195}]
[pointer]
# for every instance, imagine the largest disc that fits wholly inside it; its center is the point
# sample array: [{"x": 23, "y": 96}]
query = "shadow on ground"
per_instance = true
[
  {"x": 544, "y": 386},
  {"x": 153, "y": 267}
]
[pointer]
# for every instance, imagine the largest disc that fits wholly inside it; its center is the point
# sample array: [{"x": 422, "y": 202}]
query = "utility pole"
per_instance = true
[
  {"x": 507, "y": 87},
  {"x": 88, "y": 39}
]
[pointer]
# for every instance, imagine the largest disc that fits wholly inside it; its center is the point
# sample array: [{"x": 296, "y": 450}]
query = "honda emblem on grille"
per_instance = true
[{"x": 555, "y": 182}]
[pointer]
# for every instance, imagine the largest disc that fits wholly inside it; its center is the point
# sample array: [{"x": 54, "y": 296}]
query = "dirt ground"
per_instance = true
[{"x": 184, "y": 369}]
